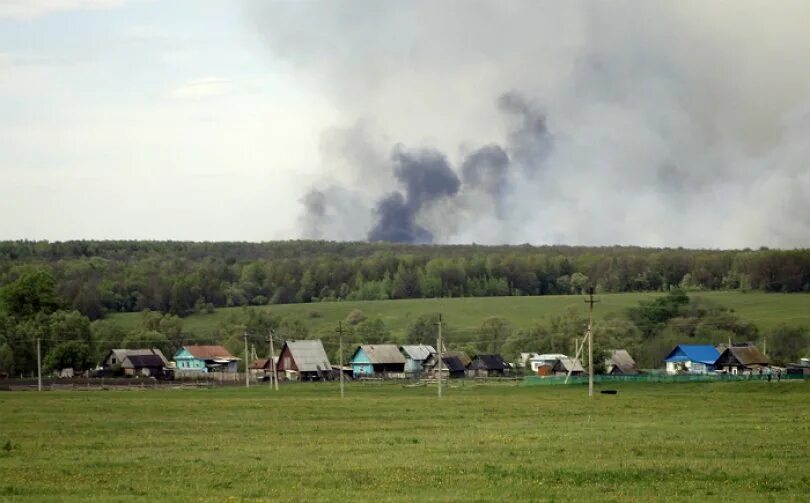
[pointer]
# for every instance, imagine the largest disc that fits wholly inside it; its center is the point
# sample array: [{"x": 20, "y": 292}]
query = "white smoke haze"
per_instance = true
[{"x": 647, "y": 123}]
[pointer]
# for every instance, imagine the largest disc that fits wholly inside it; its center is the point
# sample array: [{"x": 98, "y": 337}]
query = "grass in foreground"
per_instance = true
[{"x": 741, "y": 441}]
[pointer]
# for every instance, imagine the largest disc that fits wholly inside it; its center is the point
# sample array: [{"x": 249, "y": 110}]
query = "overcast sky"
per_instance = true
[{"x": 649, "y": 123}]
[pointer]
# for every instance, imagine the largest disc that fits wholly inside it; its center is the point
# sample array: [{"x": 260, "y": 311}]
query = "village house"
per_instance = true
[
  {"x": 205, "y": 359},
  {"x": 563, "y": 366},
  {"x": 802, "y": 368},
  {"x": 304, "y": 360},
  {"x": 262, "y": 367},
  {"x": 452, "y": 367},
  {"x": 487, "y": 366},
  {"x": 135, "y": 362},
  {"x": 544, "y": 360},
  {"x": 742, "y": 360},
  {"x": 415, "y": 357},
  {"x": 378, "y": 360},
  {"x": 620, "y": 363},
  {"x": 691, "y": 359}
]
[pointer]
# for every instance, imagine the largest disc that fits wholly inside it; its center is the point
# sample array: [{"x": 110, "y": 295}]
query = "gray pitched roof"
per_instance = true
[
  {"x": 748, "y": 355},
  {"x": 419, "y": 352},
  {"x": 622, "y": 359},
  {"x": 488, "y": 362},
  {"x": 382, "y": 353},
  {"x": 141, "y": 361},
  {"x": 567, "y": 365},
  {"x": 309, "y": 355},
  {"x": 122, "y": 354}
]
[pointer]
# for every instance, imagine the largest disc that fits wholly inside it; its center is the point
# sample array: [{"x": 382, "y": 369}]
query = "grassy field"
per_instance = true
[
  {"x": 464, "y": 315},
  {"x": 716, "y": 441}
]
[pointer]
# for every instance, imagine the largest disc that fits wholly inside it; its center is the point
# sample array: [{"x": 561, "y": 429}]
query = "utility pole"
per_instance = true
[
  {"x": 590, "y": 303},
  {"x": 340, "y": 353},
  {"x": 39, "y": 366},
  {"x": 274, "y": 375},
  {"x": 439, "y": 352},
  {"x": 247, "y": 362}
]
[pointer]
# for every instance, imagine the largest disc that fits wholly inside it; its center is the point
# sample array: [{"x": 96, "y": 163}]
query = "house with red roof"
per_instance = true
[{"x": 205, "y": 359}]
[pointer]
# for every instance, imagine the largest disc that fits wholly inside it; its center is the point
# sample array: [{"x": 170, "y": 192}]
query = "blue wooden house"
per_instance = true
[
  {"x": 380, "y": 360},
  {"x": 205, "y": 359},
  {"x": 691, "y": 359}
]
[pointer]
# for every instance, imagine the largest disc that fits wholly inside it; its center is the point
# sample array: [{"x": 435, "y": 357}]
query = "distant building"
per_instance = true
[
  {"x": 620, "y": 363},
  {"x": 262, "y": 367},
  {"x": 564, "y": 366},
  {"x": 691, "y": 359},
  {"x": 802, "y": 368},
  {"x": 416, "y": 356},
  {"x": 304, "y": 360},
  {"x": 205, "y": 359},
  {"x": 378, "y": 360},
  {"x": 135, "y": 362},
  {"x": 487, "y": 366},
  {"x": 742, "y": 360},
  {"x": 452, "y": 366},
  {"x": 546, "y": 359}
]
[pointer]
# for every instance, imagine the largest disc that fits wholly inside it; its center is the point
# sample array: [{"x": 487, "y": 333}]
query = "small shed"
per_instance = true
[
  {"x": 262, "y": 367},
  {"x": 487, "y": 366},
  {"x": 620, "y": 363},
  {"x": 742, "y": 360},
  {"x": 691, "y": 359},
  {"x": 304, "y": 360},
  {"x": 544, "y": 370},
  {"x": 416, "y": 356},
  {"x": 380, "y": 360},
  {"x": 802, "y": 368},
  {"x": 565, "y": 365}
]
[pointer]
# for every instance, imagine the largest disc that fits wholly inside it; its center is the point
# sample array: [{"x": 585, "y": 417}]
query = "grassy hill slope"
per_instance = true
[{"x": 464, "y": 315}]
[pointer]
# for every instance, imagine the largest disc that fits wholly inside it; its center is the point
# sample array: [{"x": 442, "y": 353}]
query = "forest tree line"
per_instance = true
[{"x": 181, "y": 278}]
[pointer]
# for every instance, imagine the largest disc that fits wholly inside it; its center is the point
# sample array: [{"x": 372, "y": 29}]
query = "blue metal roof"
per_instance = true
[{"x": 703, "y": 353}]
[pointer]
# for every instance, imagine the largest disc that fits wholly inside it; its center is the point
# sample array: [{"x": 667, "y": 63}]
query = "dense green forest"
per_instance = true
[
  {"x": 60, "y": 293},
  {"x": 95, "y": 277}
]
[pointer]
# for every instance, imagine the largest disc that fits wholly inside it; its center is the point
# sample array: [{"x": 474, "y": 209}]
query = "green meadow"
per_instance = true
[
  {"x": 464, "y": 315},
  {"x": 741, "y": 441}
]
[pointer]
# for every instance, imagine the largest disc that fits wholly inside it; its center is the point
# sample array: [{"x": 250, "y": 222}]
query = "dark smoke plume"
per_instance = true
[
  {"x": 397, "y": 222},
  {"x": 530, "y": 143},
  {"x": 427, "y": 177},
  {"x": 486, "y": 169},
  {"x": 647, "y": 141}
]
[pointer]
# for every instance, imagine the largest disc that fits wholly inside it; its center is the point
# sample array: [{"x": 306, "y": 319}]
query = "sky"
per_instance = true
[{"x": 646, "y": 123}]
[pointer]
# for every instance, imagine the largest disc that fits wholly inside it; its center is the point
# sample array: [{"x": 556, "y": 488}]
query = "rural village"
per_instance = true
[{"x": 306, "y": 360}]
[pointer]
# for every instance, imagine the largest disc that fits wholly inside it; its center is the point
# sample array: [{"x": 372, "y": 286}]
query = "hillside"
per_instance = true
[{"x": 464, "y": 315}]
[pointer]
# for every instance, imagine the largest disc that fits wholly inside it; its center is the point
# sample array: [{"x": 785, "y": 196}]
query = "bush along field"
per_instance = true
[{"x": 715, "y": 441}]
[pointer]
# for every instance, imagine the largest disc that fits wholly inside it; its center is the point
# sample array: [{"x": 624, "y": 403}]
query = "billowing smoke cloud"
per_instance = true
[
  {"x": 486, "y": 169},
  {"x": 427, "y": 177},
  {"x": 650, "y": 123}
]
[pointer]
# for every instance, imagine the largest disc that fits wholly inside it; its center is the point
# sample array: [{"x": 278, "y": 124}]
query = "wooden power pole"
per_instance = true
[
  {"x": 340, "y": 354},
  {"x": 590, "y": 303},
  {"x": 439, "y": 353},
  {"x": 274, "y": 375},
  {"x": 39, "y": 366},
  {"x": 247, "y": 364}
]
